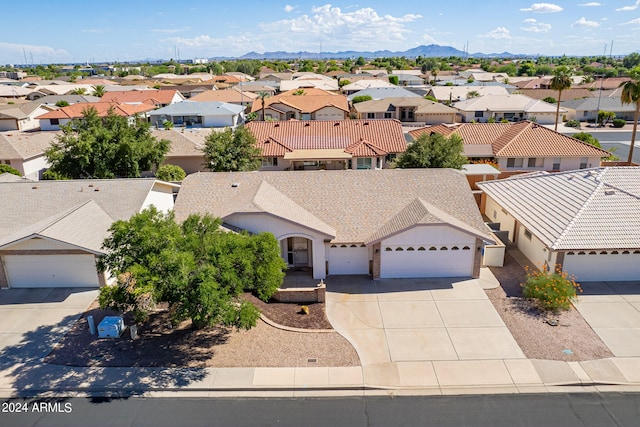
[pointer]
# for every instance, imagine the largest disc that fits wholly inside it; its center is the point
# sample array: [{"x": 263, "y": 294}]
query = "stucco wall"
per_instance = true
[{"x": 496, "y": 214}]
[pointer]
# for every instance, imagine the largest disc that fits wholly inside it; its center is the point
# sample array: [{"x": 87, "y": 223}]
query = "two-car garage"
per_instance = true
[{"x": 46, "y": 271}]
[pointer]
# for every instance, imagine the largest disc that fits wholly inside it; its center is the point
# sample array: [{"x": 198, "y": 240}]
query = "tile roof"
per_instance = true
[
  {"x": 226, "y": 95},
  {"x": 604, "y": 103},
  {"x": 514, "y": 102},
  {"x": 424, "y": 106},
  {"x": 353, "y": 203},
  {"x": 152, "y": 97},
  {"x": 521, "y": 139},
  {"x": 311, "y": 100},
  {"x": 445, "y": 93},
  {"x": 190, "y": 108},
  {"x": 567, "y": 94},
  {"x": 276, "y": 138},
  {"x": 384, "y": 92},
  {"x": 75, "y": 111},
  {"x": 587, "y": 209}
]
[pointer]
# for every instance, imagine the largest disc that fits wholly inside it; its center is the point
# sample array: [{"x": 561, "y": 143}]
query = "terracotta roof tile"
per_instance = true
[
  {"x": 75, "y": 111},
  {"x": 312, "y": 100},
  {"x": 153, "y": 97}
]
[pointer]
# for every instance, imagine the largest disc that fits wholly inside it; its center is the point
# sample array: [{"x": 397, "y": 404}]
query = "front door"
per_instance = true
[{"x": 297, "y": 251}]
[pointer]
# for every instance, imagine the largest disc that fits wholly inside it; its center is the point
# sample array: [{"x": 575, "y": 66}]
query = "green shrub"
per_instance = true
[
  {"x": 170, "y": 173},
  {"x": 9, "y": 169},
  {"x": 361, "y": 98},
  {"x": 618, "y": 123},
  {"x": 573, "y": 124},
  {"x": 552, "y": 291}
]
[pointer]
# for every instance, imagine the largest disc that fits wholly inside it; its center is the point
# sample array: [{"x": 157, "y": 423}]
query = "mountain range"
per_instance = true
[{"x": 432, "y": 50}]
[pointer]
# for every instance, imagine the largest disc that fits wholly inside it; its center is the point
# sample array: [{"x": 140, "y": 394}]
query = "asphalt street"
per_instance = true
[{"x": 548, "y": 410}]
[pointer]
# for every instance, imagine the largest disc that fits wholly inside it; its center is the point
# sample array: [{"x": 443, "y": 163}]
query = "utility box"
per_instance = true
[{"x": 111, "y": 327}]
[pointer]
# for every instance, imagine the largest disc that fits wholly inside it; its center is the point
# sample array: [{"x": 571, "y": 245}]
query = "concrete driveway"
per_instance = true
[
  {"x": 413, "y": 320},
  {"x": 612, "y": 309},
  {"x": 32, "y": 321}
]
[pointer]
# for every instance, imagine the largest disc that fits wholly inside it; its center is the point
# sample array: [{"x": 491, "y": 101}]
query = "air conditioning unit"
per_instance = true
[{"x": 111, "y": 327}]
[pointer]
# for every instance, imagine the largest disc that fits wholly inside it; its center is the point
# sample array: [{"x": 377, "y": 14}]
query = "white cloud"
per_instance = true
[
  {"x": 632, "y": 7},
  {"x": 582, "y": 22},
  {"x": 498, "y": 33},
  {"x": 632, "y": 22},
  {"x": 206, "y": 45},
  {"x": 535, "y": 26},
  {"x": 543, "y": 8},
  {"x": 590, "y": 4},
  {"x": 39, "y": 51},
  {"x": 170, "y": 30},
  {"x": 359, "y": 29},
  {"x": 288, "y": 8}
]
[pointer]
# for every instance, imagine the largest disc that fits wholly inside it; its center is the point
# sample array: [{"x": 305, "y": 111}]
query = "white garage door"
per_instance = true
[
  {"x": 426, "y": 261},
  {"x": 348, "y": 260},
  {"x": 625, "y": 265},
  {"x": 48, "y": 271}
]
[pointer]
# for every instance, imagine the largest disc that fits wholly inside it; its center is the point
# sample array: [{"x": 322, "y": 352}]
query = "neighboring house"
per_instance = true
[
  {"x": 24, "y": 151},
  {"x": 384, "y": 92},
  {"x": 186, "y": 147},
  {"x": 567, "y": 94},
  {"x": 230, "y": 96},
  {"x": 307, "y": 83},
  {"x": 303, "y": 104},
  {"x": 21, "y": 116},
  {"x": 509, "y": 107},
  {"x": 522, "y": 146},
  {"x": 199, "y": 114},
  {"x": 409, "y": 80},
  {"x": 587, "y": 108},
  {"x": 411, "y": 109},
  {"x": 586, "y": 222},
  {"x": 71, "y": 99},
  {"x": 13, "y": 92},
  {"x": 54, "y": 119},
  {"x": 395, "y": 223},
  {"x": 59, "y": 88},
  {"x": 461, "y": 93},
  {"x": 339, "y": 144},
  {"x": 52, "y": 231},
  {"x": 189, "y": 91},
  {"x": 362, "y": 84},
  {"x": 158, "y": 98}
]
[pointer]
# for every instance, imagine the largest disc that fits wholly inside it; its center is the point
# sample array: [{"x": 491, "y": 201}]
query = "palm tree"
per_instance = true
[
  {"x": 561, "y": 80},
  {"x": 79, "y": 91},
  {"x": 263, "y": 96},
  {"x": 631, "y": 95},
  {"x": 98, "y": 90}
]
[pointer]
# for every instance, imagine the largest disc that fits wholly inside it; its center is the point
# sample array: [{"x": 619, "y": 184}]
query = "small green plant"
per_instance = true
[
  {"x": 167, "y": 125},
  {"x": 619, "y": 123},
  {"x": 573, "y": 124},
  {"x": 304, "y": 309},
  {"x": 170, "y": 173},
  {"x": 552, "y": 290}
]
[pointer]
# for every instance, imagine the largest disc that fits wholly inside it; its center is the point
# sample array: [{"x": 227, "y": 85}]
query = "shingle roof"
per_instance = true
[
  {"x": 75, "y": 111},
  {"x": 25, "y": 145},
  {"x": 521, "y": 139},
  {"x": 595, "y": 208},
  {"x": 183, "y": 143},
  {"x": 604, "y": 103},
  {"x": 226, "y": 95},
  {"x": 513, "y": 102},
  {"x": 353, "y": 203},
  {"x": 424, "y": 106},
  {"x": 276, "y": 138},
  {"x": 384, "y": 92}
]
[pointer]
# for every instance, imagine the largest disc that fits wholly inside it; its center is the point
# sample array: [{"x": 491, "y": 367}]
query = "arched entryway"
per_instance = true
[{"x": 297, "y": 251}]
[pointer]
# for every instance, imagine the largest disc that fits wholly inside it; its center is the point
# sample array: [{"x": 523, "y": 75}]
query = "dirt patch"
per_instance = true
[
  {"x": 290, "y": 314},
  {"x": 572, "y": 340},
  {"x": 161, "y": 345}
]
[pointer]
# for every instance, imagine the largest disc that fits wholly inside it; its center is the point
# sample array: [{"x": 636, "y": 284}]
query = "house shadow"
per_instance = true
[
  {"x": 25, "y": 370},
  {"x": 364, "y": 284},
  {"x": 18, "y": 296}
]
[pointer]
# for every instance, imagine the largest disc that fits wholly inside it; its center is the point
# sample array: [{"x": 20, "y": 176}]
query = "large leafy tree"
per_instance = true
[
  {"x": 631, "y": 95},
  {"x": 104, "y": 147},
  {"x": 8, "y": 169},
  {"x": 560, "y": 81},
  {"x": 433, "y": 151},
  {"x": 232, "y": 150},
  {"x": 195, "y": 267}
]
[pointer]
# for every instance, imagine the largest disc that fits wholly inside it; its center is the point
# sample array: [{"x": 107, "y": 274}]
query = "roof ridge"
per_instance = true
[{"x": 506, "y": 144}]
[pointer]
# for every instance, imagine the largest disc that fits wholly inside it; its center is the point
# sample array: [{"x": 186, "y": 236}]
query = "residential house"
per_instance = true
[
  {"x": 24, "y": 151},
  {"x": 586, "y": 109},
  {"x": 186, "y": 147},
  {"x": 71, "y": 99},
  {"x": 156, "y": 97},
  {"x": 58, "y": 88},
  {"x": 584, "y": 222},
  {"x": 367, "y": 83},
  {"x": 410, "y": 109},
  {"x": 384, "y": 92},
  {"x": 336, "y": 144},
  {"x": 199, "y": 114},
  {"x": 52, "y": 231},
  {"x": 14, "y": 92},
  {"x": 509, "y": 107},
  {"x": 461, "y": 93},
  {"x": 54, "y": 119},
  {"x": 189, "y": 91},
  {"x": 303, "y": 104},
  {"x": 409, "y": 80},
  {"x": 394, "y": 223},
  {"x": 567, "y": 94},
  {"x": 21, "y": 116},
  {"x": 308, "y": 81},
  {"x": 230, "y": 96},
  {"x": 523, "y": 146}
]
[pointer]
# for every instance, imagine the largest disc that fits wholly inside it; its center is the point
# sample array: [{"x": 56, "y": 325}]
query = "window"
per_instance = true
[
  {"x": 363, "y": 163},
  {"x": 556, "y": 164},
  {"x": 268, "y": 162},
  {"x": 583, "y": 163},
  {"x": 535, "y": 162},
  {"x": 514, "y": 162},
  {"x": 54, "y": 121},
  {"x": 585, "y": 114},
  {"x": 378, "y": 162},
  {"x": 388, "y": 116},
  {"x": 479, "y": 114},
  {"x": 371, "y": 115},
  {"x": 527, "y": 234}
]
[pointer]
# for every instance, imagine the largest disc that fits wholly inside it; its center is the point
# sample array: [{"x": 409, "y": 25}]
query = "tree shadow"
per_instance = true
[{"x": 24, "y": 368}]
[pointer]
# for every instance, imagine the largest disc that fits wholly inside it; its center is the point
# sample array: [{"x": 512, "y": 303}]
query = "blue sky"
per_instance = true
[{"x": 79, "y": 31}]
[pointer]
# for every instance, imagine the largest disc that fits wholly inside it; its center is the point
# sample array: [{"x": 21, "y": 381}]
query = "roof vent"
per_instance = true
[
  {"x": 307, "y": 124},
  {"x": 277, "y": 125},
  {"x": 235, "y": 185},
  {"x": 609, "y": 192},
  {"x": 35, "y": 187},
  {"x": 96, "y": 189},
  {"x": 336, "y": 124},
  {"x": 365, "y": 124}
]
